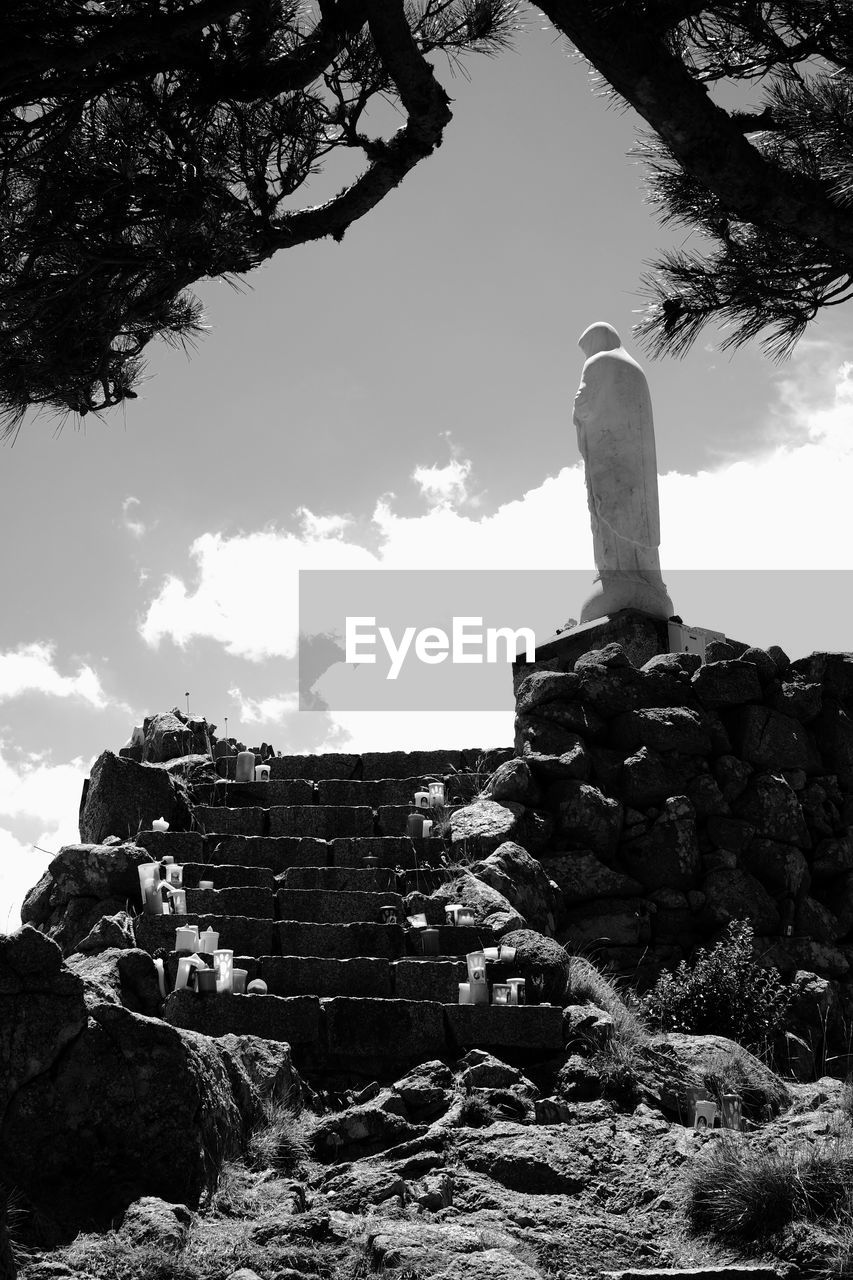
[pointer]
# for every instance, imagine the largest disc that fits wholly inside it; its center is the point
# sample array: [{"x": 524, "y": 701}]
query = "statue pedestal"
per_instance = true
[{"x": 640, "y": 635}]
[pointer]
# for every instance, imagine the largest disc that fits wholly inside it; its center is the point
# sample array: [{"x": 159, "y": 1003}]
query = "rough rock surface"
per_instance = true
[
  {"x": 121, "y": 797},
  {"x": 542, "y": 962},
  {"x": 523, "y": 882}
]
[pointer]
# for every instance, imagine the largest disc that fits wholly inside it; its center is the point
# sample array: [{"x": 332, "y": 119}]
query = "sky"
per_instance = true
[{"x": 401, "y": 400}]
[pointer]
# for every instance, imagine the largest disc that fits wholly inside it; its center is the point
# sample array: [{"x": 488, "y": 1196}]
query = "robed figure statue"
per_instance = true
[{"x": 616, "y": 438}]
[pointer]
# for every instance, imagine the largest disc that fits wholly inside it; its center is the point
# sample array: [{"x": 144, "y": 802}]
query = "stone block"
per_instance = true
[
  {"x": 340, "y": 941},
  {"x": 376, "y": 792},
  {"x": 275, "y": 852},
  {"x": 240, "y": 934},
  {"x": 523, "y": 1027},
  {"x": 392, "y": 818},
  {"x": 322, "y": 822},
  {"x": 184, "y": 846},
  {"x": 429, "y": 979},
  {"x": 232, "y": 822},
  {"x": 400, "y": 1030},
  {"x": 412, "y": 764},
  {"x": 335, "y": 879},
  {"x": 228, "y": 875},
  {"x": 330, "y": 764},
  {"x": 392, "y": 851},
  {"x": 453, "y": 940},
  {"x": 244, "y": 900},
  {"x": 295, "y": 1019},
  {"x": 263, "y": 795},
  {"x": 323, "y": 976},
  {"x": 662, "y": 729},
  {"x": 337, "y": 907},
  {"x": 770, "y": 740}
]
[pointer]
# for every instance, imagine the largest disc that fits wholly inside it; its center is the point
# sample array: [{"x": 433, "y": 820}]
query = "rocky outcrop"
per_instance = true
[
  {"x": 171, "y": 734},
  {"x": 121, "y": 797}
]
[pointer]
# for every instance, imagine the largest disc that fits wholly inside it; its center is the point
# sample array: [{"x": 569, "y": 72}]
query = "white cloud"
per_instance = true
[
  {"x": 31, "y": 669},
  {"x": 135, "y": 527},
  {"x": 444, "y": 486},
  {"x": 21, "y": 867},
  {"x": 271, "y": 710}
]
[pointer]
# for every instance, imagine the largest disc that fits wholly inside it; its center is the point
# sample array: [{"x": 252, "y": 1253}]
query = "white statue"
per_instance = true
[{"x": 616, "y": 438}]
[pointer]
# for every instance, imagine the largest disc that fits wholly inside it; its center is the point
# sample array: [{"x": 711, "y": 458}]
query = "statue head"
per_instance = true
[{"x": 599, "y": 337}]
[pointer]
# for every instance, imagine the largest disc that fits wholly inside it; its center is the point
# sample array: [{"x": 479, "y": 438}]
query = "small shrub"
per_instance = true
[
  {"x": 619, "y": 1067},
  {"x": 741, "y": 1194},
  {"x": 587, "y": 985},
  {"x": 281, "y": 1141},
  {"x": 725, "y": 992},
  {"x": 475, "y": 1114}
]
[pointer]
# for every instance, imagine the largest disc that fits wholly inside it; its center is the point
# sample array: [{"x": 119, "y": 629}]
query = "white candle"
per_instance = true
[
  {"x": 262, "y": 773},
  {"x": 436, "y": 795},
  {"x": 501, "y": 993},
  {"x": 507, "y": 955},
  {"x": 245, "y": 769},
  {"x": 421, "y": 799},
  {"x": 427, "y": 830},
  {"x": 466, "y": 918},
  {"x": 430, "y": 942},
  {"x": 147, "y": 872},
  {"x": 479, "y": 993},
  {"x": 223, "y": 963},
  {"x": 465, "y": 996},
  {"x": 153, "y": 899},
  {"x": 205, "y": 884},
  {"x": 178, "y": 902},
  {"x": 517, "y": 990},
  {"x": 161, "y": 977},
  {"x": 476, "y": 967},
  {"x": 185, "y": 964},
  {"x": 492, "y": 953},
  {"x": 175, "y": 875},
  {"x": 239, "y": 981},
  {"x": 209, "y": 941},
  {"x": 186, "y": 938},
  {"x": 205, "y": 980},
  {"x": 451, "y": 911},
  {"x": 159, "y": 824}
]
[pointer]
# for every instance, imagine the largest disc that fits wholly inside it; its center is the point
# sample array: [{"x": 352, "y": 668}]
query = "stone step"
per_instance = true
[
  {"x": 413, "y": 764},
  {"x": 295, "y": 1019},
  {"x": 322, "y": 821},
  {"x": 338, "y": 906},
  {"x": 364, "y": 1028},
  {"x": 324, "y": 976},
  {"x": 244, "y": 821},
  {"x": 263, "y": 795},
  {"x": 392, "y": 851},
  {"x": 339, "y": 941},
  {"x": 329, "y": 879},
  {"x": 520, "y": 1027},
  {"x": 243, "y": 935},
  {"x": 184, "y": 846},
  {"x": 427, "y": 978},
  {"x": 377, "y": 792},
  {"x": 248, "y": 900},
  {"x": 278, "y": 853},
  {"x": 228, "y": 875},
  {"x": 329, "y": 764},
  {"x": 391, "y": 819}
]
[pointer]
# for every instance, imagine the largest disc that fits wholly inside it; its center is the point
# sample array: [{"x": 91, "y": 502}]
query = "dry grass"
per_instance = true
[{"x": 282, "y": 1139}]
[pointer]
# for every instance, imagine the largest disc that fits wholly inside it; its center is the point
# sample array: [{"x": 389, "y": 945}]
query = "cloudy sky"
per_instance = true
[{"x": 401, "y": 400}]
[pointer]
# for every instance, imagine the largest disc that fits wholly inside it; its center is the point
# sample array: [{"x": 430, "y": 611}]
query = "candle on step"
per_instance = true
[
  {"x": 153, "y": 899},
  {"x": 436, "y": 795},
  {"x": 185, "y": 965},
  {"x": 427, "y": 828},
  {"x": 239, "y": 981},
  {"x": 223, "y": 964},
  {"x": 159, "y": 824},
  {"x": 148, "y": 872},
  {"x": 245, "y": 766},
  {"x": 186, "y": 938},
  {"x": 492, "y": 953},
  {"x": 262, "y": 773},
  {"x": 466, "y": 918},
  {"x": 429, "y": 942},
  {"x": 178, "y": 902},
  {"x": 205, "y": 980},
  {"x": 465, "y": 996},
  {"x": 421, "y": 799},
  {"x": 451, "y": 911},
  {"x": 476, "y": 968},
  {"x": 414, "y": 825},
  {"x": 507, "y": 955},
  {"x": 501, "y": 992},
  {"x": 388, "y": 914},
  {"x": 209, "y": 941},
  {"x": 205, "y": 884},
  {"x": 479, "y": 993},
  {"x": 161, "y": 977},
  {"x": 518, "y": 990},
  {"x": 175, "y": 875}
]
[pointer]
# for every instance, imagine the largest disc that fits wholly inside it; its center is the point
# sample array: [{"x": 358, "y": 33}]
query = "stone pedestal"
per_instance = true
[{"x": 640, "y": 635}]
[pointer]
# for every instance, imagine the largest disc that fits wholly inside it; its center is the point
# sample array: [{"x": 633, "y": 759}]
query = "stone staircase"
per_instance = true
[{"x": 294, "y": 901}]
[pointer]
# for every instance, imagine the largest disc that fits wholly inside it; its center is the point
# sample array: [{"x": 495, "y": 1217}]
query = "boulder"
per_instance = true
[
  {"x": 831, "y": 859},
  {"x": 764, "y": 663},
  {"x": 542, "y": 962},
  {"x": 681, "y": 665},
  {"x": 732, "y": 894},
  {"x": 97, "y": 871},
  {"x": 780, "y": 867},
  {"x": 717, "y": 1063},
  {"x": 719, "y": 651},
  {"x": 512, "y": 780},
  {"x": 522, "y": 882},
  {"x": 426, "y": 1090},
  {"x": 169, "y": 734},
  {"x": 649, "y": 777},
  {"x": 771, "y": 806},
  {"x": 362, "y": 1130},
  {"x": 662, "y": 729},
  {"x": 483, "y": 825},
  {"x": 479, "y": 897},
  {"x": 118, "y": 976},
  {"x": 814, "y": 920},
  {"x": 615, "y": 922},
  {"x": 771, "y": 741},
  {"x": 152, "y": 1221},
  {"x": 667, "y": 854},
  {"x": 821, "y": 802},
  {"x": 798, "y": 699},
  {"x": 833, "y": 730},
  {"x": 121, "y": 797},
  {"x": 110, "y": 932},
  {"x": 266, "y": 1066},
  {"x": 573, "y": 762},
  {"x": 707, "y": 799},
  {"x": 541, "y": 687},
  {"x": 726, "y": 684},
  {"x": 580, "y": 877},
  {"x": 833, "y": 671},
  {"x": 557, "y": 729},
  {"x": 611, "y": 656},
  {"x": 611, "y": 691},
  {"x": 732, "y": 776},
  {"x": 585, "y": 818}
]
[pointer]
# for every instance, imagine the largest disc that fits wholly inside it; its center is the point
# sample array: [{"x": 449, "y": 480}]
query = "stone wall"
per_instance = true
[{"x": 668, "y": 799}]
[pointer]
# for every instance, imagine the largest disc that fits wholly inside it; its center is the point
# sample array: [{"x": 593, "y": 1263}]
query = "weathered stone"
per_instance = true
[
  {"x": 789, "y": 954},
  {"x": 128, "y": 978},
  {"x": 359, "y": 1131},
  {"x": 121, "y": 797},
  {"x": 478, "y": 896},
  {"x": 773, "y": 809},
  {"x": 798, "y": 699},
  {"x": 519, "y": 1027},
  {"x": 426, "y": 1089},
  {"x": 730, "y": 833},
  {"x": 612, "y": 656},
  {"x": 183, "y": 846},
  {"x": 484, "y": 825},
  {"x": 813, "y": 920},
  {"x": 726, "y": 684},
  {"x": 587, "y": 1025},
  {"x": 168, "y": 735},
  {"x": 109, "y": 932},
  {"x": 611, "y": 691},
  {"x": 667, "y": 854},
  {"x": 769, "y": 740},
  {"x": 483, "y": 1071},
  {"x": 585, "y": 818},
  {"x": 265, "y": 1065},
  {"x": 618, "y": 922},
  {"x": 542, "y": 962},
  {"x": 427, "y": 978},
  {"x": 545, "y": 686},
  {"x": 821, "y": 803},
  {"x": 732, "y": 775},
  {"x": 649, "y": 777},
  {"x": 324, "y": 976},
  {"x": 97, "y": 871},
  {"x": 581, "y": 877},
  {"x": 512, "y": 780},
  {"x": 695, "y": 1059},
  {"x": 553, "y": 736},
  {"x": 328, "y": 764},
  {"x": 706, "y": 797},
  {"x": 572, "y": 763},
  {"x": 154, "y": 1222},
  {"x": 662, "y": 729},
  {"x": 719, "y": 651},
  {"x": 682, "y": 665},
  {"x": 731, "y": 894},
  {"x": 295, "y": 1019},
  {"x": 764, "y": 664},
  {"x": 780, "y": 867},
  {"x": 534, "y": 1161},
  {"x": 780, "y": 658},
  {"x": 832, "y": 858},
  {"x": 522, "y": 881},
  {"x": 834, "y": 732},
  {"x": 387, "y": 1030}
]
